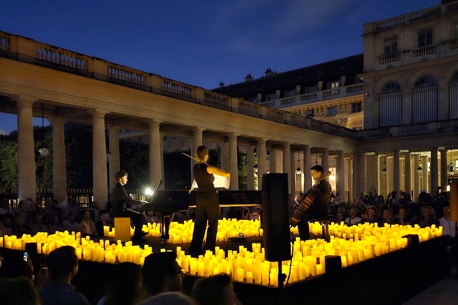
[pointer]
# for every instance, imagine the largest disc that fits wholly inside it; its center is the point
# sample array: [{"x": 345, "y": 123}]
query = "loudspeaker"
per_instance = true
[
  {"x": 454, "y": 201},
  {"x": 275, "y": 216}
]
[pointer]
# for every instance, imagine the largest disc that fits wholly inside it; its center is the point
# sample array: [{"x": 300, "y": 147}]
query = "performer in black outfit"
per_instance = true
[
  {"x": 314, "y": 203},
  {"x": 207, "y": 203},
  {"x": 123, "y": 203}
]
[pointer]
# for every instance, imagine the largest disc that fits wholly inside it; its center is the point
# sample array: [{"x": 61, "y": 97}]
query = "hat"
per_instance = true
[{"x": 318, "y": 168}]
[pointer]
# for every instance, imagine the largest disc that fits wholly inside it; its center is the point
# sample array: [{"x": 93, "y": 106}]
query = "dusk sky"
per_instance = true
[{"x": 204, "y": 42}]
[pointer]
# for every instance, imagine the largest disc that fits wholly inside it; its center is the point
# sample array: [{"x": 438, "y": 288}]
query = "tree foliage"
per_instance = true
[{"x": 134, "y": 158}]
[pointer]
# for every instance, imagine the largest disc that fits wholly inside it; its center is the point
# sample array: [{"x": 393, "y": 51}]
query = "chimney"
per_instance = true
[
  {"x": 221, "y": 85},
  {"x": 269, "y": 72},
  {"x": 248, "y": 77}
]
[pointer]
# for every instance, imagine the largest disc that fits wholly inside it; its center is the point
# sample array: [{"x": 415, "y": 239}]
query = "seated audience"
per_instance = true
[
  {"x": 6, "y": 224},
  {"x": 371, "y": 216},
  {"x": 125, "y": 285},
  {"x": 150, "y": 217},
  {"x": 5, "y": 208},
  {"x": 353, "y": 219},
  {"x": 427, "y": 217},
  {"x": 215, "y": 290},
  {"x": 87, "y": 225},
  {"x": 62, "y": 267},
  {"x": 402, "y": 218},
  {"x": 448, "y": 226},
  {"x": 70, "y": 224},
  {"x": 56, "y": 224},
  {"x": 340, "y": 217},
  {"x": 387, "y": 216},
  {"x": 161, "y": 273},
  {"x": 20, "y": 227},
  {"x": 38, "y": 225},
  {"x": 104, "y": 221}
]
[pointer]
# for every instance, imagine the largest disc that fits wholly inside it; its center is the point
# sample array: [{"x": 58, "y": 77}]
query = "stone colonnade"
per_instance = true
[{"x": 262, "y": 157}]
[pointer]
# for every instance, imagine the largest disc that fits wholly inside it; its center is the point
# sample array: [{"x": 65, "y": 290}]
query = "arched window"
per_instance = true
[
  {"x": 425, "y": 100},
  {"x": 390, "y": 105},
  {"x": 425, "y": 81},
  {"x": 391, "y": 87}
]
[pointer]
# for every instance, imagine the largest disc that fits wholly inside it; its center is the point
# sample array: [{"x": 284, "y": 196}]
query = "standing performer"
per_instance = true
[
  {"x": 123, "y": 203},
  {"x": 207, "y": 203},
  {"x": 313, "y": 204}
]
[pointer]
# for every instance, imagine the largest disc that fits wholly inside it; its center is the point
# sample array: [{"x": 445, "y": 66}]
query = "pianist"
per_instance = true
[
  {"x": 123, "y": 205},
  {"x": 207, "y": 203}
]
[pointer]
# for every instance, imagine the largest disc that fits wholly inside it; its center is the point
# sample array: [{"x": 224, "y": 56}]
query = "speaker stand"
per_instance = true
[{"x": 281, "y": 279}]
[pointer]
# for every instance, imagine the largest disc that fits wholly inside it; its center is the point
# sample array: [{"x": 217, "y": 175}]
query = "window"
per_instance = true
[
  {"x": 332, "y": 111},
  {"x": 254, "y": 100},
  {"x": 356, "y": 107},
  {"x": 333, "y": 85},
  {"x": 425, "y": 37},
  {"x": 425, "y": 81},
  {"x": 289, "y": 93},
  {"x": 271, "y": 97},
  {"x": 391, "y": 45},
  {"x": 391, "y": 87},
  {"x": 311, "y": 89},
  {"x": 310, "y": 114}
]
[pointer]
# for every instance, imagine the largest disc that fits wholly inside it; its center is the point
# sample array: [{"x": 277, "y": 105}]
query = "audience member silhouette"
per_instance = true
[
  {"x": 125, "y": 285},
  {"x": 215, "y": 290},
  {"x": 161, "y": 273},
  {"x": 62, "y": 266},
  {"x": 169, "y": 298},
  {"x": 18, "y": 291}
]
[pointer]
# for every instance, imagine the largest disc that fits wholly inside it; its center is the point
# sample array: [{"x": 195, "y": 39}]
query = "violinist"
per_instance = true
[
  {"x": 207, "y": 203},
  {"x": 314, "y": 203}
]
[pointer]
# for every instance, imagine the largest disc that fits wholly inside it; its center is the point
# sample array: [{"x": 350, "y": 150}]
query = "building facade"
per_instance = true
[{"x": 382, "y": 121}]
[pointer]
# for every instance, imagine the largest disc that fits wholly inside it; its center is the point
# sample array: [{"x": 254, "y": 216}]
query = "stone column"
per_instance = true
[
  {"x": 351, "y": 181},
  {"x": 444, "y": 169},
  {"x": 196, "y": 142},
  {"x": 233, "y": 164},
  {"x": 114, "y": 159},
  {"x": 297, "y": 160},
  {"x": 155, "y": 154},
  {"x": 407, "y": 173},
  {"x": 325, "y": 159},
  {"x": 359, "y": 167},
  {"x": 287, "y": 165},
  {"x": 27, "y": 183},
  {"x": 249, "y": 166},
  {"x": 396, "y": 171},
  {"x": 424, "y": 174},
  {"x": 225, "y": 155},
  {"x": 306, "y": 169},
  {"x": 273, "y": 160},
  {"x": 434, "y": 171},
  {"x": 416, "y": 177},
  {"x": 262, "y": 155},
  {"x": 58, "y": 159},
  {"x": 99, "y": 159},
  {"x": 340, "y": 173}
]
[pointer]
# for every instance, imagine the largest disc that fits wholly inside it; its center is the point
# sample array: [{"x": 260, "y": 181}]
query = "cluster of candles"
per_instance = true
[
  {"x": 182, "y": 232},
  {"x": 352, "y": 244}
]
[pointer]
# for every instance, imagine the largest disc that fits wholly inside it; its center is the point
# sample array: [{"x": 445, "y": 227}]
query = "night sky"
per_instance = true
[{"x": 204, "y": 42}]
